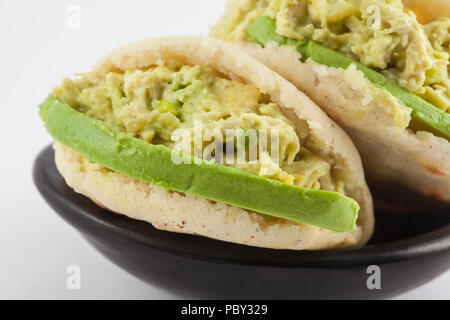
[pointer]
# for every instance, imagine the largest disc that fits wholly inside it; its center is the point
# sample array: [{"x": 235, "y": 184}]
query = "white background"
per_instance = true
[{"x": 37, "y": 49}]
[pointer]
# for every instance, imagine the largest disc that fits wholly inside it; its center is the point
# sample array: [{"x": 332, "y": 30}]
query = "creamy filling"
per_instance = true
[{"x": 192, "y": 109}]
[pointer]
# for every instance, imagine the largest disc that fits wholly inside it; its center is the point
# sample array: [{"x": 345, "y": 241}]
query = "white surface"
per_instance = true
[{"x": 37, "y": 49}]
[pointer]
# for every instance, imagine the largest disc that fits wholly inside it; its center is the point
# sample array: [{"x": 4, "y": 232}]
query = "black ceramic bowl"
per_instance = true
[{"x": 410, "y": 250}]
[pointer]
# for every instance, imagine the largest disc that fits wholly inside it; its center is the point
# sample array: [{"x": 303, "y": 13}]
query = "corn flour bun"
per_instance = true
[
  {"x": 183, "y": 213},
  {"x": 427, "y": 11}
]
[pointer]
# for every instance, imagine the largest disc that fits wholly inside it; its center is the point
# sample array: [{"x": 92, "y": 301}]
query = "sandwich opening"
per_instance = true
[{"x": 200, "y": 112}]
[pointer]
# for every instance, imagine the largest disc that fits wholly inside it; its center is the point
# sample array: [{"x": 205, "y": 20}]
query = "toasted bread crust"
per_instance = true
[{"x": 428, "y": 11}]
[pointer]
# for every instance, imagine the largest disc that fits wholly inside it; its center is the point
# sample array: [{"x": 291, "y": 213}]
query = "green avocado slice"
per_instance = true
[
  {"x": 153, "y": 164},
  {"x": 425, "y": 116}
]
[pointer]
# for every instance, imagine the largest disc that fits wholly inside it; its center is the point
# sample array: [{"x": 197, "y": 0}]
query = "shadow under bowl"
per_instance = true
[{"x": 409, "y": 249}]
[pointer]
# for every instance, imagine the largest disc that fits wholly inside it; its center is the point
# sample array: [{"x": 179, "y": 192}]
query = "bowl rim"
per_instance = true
[{"x": 87, "y": 217}]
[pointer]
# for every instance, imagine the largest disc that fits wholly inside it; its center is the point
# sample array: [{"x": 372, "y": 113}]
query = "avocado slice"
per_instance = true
[
  {"x": 153, "y": 164},
  {"x": 425, "y": 116}
]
